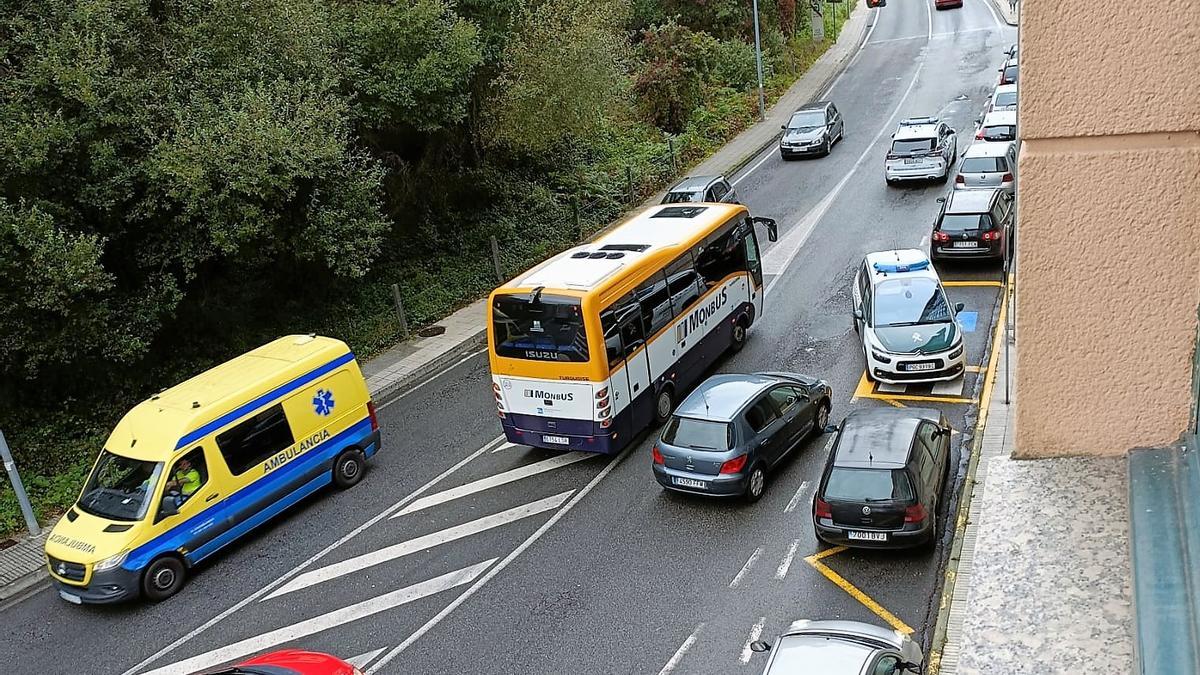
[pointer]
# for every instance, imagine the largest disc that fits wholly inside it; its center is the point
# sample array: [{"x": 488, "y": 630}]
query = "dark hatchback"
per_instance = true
[
  {"x": 883, "y": 480},
  {"x": 733, "y": 429},
  {"x": 975, "y": 224}
]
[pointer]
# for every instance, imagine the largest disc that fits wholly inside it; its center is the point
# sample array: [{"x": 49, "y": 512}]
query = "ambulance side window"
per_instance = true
[{"x": 253, "y": 441}]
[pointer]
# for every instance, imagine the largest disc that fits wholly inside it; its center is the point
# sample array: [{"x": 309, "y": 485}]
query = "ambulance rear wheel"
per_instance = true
[
  {"x": 163, "y": 578},
  {"x": 348, "y": 468}
]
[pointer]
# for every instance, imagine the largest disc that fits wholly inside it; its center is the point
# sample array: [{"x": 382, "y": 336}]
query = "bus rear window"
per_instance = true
[{"x": 539, "y": 328}]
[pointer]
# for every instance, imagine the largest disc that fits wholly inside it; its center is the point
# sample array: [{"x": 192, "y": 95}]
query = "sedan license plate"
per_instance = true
[
  {"x": 70, "y": 597},
  {"x": 688, "y": 482},
  {"x": 560, "y": 440},
  {"x": 920, "y": 366},
  {"x": 867, "y": 536},
  {"x": 965, "y": 244}
]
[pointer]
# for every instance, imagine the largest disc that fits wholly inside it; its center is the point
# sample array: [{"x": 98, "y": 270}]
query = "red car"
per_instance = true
[
  {"x": 939, "y": 4},
  {"x": 290, "y": 662}
]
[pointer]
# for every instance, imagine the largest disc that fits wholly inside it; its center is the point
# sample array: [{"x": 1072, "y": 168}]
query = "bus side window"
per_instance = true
[
  {"x": 684, "y": 283},
  {"x": 721, "y": 256},
  {"x": 655, "y": 302}
]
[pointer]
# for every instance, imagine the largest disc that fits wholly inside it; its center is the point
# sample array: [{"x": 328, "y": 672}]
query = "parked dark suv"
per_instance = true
[
  {"x": 701, "y": 189},
  {"x": 883, "y": 480},
  {"x": 973, "y": 224}
]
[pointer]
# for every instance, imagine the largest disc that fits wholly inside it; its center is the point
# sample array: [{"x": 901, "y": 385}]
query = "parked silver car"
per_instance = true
[
  {"x": 701, "y": 189},
  {"x": 1004, "y": 98},
  {"x": 988, "y": 165},
  {"x": 841, "y": 648},
  {"x": 923, "y": 148}
]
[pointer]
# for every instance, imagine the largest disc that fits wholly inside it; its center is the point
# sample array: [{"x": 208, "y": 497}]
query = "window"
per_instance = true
[
  {"x": 119, "y": 487},
  {"x": 256, "y": 439},
  {"x": 785, "y": 397},
  {"x": 718, "y": 190},
  {"x": 982, "y": 165},
  {"x": 698, "y": 434},
  {"x": 612, "y": 337},
  {"x": 683, "y": 197},
  {"x": 684, "y": 283},
  {"x": 868, "y": 484},
  {"x": 761, "y": 415},
  {"x": 806, "y": 119},
  {"x": 965, "y": 222},
  {"x": 720, "y": 256},
  {"x": 655, "y": 303},
  {"x": 622, "y": 324},
  {"x": 886, "y": 665},
  {"x": 186, "y": 477},
  {"x": 914, "y": 146},
  {"x": 910, "y": 302},
  {"x": 539, "y": 327},
  {"x": 1000, "y": 132}
]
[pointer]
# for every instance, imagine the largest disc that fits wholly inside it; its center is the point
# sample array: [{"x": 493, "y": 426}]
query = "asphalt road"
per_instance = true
[{"x": 461, "y": 554}]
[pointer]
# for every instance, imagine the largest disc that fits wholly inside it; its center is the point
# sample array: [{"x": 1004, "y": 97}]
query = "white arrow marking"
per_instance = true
[{"x": 362, "y": 660}]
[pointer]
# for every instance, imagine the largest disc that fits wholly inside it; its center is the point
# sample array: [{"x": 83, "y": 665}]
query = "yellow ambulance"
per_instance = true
[{"x": 198, "y": 465}]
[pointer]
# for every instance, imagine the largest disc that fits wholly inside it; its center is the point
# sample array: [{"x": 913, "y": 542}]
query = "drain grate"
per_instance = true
[{"x": 431, "y": 331}]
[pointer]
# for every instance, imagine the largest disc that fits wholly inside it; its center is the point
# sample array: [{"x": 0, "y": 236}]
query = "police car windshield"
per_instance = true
[
  {"x": 119, "y": 487},
  {"x": 909, "y": 302},
  {"x": 539, "y": 327}
]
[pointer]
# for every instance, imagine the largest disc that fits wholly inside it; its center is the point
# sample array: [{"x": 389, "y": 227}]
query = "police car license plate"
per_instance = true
[
  {"x": 560, "y": 440},
  {"x": 913, "y": 160},
  {"x": 964, "y": 244},
  {"x": 688, "y": 482},
  {"x": 70, "y": 597},
  {"x": 867, "y": 536},
  {"x": 920, "y": 366}
]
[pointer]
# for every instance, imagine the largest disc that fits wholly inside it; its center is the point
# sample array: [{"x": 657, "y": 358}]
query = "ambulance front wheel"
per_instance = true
[
  {"x": 348, "y": 468},
  {"x": 163, "y": 578}
]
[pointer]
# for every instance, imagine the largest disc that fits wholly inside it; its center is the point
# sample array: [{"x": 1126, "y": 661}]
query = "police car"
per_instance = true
[
  {"x": 923, "y": 148},
  {"x": 907, "y": 326}
]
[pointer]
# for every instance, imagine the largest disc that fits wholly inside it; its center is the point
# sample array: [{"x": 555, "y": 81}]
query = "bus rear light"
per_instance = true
[
  {"x": 603, "y": 414},
  {"x": 602, "y": 404},
  {"x": 495, "y": 387},
  {"x": 603, "y": 393},
  {"x": 604, "y": 424}
]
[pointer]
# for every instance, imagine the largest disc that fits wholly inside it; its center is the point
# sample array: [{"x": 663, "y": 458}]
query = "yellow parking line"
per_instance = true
[
  {"x": 864, "y": 388},
  {"x": 858, "y": 595},
  {"x": 996, "y": 284},
  {"x": 915, "y": 397},
  {"x": 976, "y": 369},
  {"x": 891, "y": 402}
]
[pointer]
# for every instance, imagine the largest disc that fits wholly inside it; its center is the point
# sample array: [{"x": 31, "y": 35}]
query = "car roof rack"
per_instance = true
[{"x": 915, "y": 121}]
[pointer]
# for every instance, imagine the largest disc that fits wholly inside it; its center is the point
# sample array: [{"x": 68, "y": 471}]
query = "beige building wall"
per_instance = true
[{"x": 1108, "y": 272}]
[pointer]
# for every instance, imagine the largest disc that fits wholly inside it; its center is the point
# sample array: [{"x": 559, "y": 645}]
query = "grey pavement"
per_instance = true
[
  {"x": 1052, "y": 587},
  {"x": 463, "y": 331},
  {"x": 1009, "y": 11}
]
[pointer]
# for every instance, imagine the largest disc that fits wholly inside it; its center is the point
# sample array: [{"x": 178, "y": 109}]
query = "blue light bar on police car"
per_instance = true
[{"x": 897, "y": 267}]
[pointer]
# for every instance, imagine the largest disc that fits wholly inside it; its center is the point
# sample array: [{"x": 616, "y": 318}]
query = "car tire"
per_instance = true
[
  {"x": 741, "y": 333},
  {"x": 348, "y": 468},
  {"x": 828, "y": 147},
  {"x": 664, "y": 400},
  {"x": 930, "y": 544},
  {"x": 163, "y": 578},
  {"x": 822, "y": 419},
  {"x": 756, "y": 484}
]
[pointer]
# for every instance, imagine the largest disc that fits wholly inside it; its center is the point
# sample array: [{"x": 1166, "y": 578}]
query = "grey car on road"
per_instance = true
[
  {"x": 701, "y": 189},
  {"x": 841, "y": 648},
  {"x": 732, "y": 430},
  {"x": 812, "y": 129}
]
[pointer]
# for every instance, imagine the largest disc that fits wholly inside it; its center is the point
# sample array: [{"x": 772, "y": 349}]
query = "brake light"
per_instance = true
[
  {"x": 606, "y": 423},
  {"x": 979, "y": 134},
  {"x": 1007, "y": 178},
  {"x": 941, "y": 236},
  {"x": 991, "y": 236},
  {"x": 960, "y": 179},
  {"x": 657, "y": 455},
  {"x": 603, "y": 393},
  {"x": 915, "y": 513},
  {"x": 821, "y": 508},
  {"x": 735, "y": 465},
  {"x": 374, "y": 417}
]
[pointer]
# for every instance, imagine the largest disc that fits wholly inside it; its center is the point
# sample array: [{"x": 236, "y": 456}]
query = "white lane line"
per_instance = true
[
  {"x": 933, "y": 36},
  {"x": 781, "y": 255},
  {"x": 791, "y": 505},
  {"x": 929, "y": 30},
  {"x": 506, "y": 446},
  {"x": 770, "y": 152},
  {"x": 362, "y": 660},
  {"x": 433, "y": 377},
  {"x": 429, "y": 625},
  {"x": 924, "y": 243},
  {"x": 755, "y": 633},
  {"x": 786, "y": 564},
  {"x": 746, "y": 568},
  {"x": 679, "y": 653},
  {"x": 950, "y": 388},
  {"x": 422, "y": 543},
  {"x": 870, "y": 30},
  {"x": 190, "y": 635},
  {"x": 995, "y": 16},
  {"x": 325, "y": 621},
  {"x": 494, "y": 481}
]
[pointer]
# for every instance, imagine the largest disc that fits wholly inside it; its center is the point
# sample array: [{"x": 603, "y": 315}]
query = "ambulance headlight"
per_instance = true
[{"x": 111, "y": 562}]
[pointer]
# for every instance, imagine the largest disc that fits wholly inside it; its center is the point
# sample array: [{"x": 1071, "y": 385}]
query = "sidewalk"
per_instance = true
[
  {"x": 1043, "y": 583},
  {"x": 461, "y": 334},
  {"x": 1010, "y": 13}
]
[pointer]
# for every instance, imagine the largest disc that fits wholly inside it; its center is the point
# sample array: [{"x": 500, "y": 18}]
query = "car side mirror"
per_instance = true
[
  {"x": 858, "y": 313},
  {"x": 772, "y": 228},
  {"x": 953, "y": 131},
  {"x": 759, "y": 646},
  {"x": 783, "y": 126},
  {"x": 167, "y": 508},
  {"x": 910, "y": 667},
  {"x": 941, "y": 200},
  {"x": 958, "y": 307}
]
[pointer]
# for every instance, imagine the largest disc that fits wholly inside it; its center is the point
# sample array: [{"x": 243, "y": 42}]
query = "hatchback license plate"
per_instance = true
[
  {"x": 965, "y": 244},
  {"x": 920, "y": 366},
  {"x": 688, "y": 482},
  {"x": 70, "y": 597},
  {"x": 867, "y": 536},
  {"x": 560, "y": 440}
]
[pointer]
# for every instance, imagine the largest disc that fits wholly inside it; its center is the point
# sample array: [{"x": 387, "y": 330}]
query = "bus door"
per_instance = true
[
  {"x": 637, "y": 367},
  {"x": 754, "y": 264}
]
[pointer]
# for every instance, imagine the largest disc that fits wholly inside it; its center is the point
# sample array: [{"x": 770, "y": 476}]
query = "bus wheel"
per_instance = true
[
  {"x": 740, "y": 331},
  {"x": 664, "y": 403},
  {"x": 348, "y": 468},
  {"x": 163, "y": 578}
]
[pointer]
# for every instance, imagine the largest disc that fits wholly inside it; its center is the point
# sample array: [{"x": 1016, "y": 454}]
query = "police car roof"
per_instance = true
[
  {"x": 153, "y": 429},
  {"x": 907, "y": 261},
  {"x": 922, "y": 130}
]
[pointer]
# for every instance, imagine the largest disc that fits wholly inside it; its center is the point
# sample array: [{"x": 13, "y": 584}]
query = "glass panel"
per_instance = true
[
  {"x": 699, "y": 434},
  {"x": 539, "y": 328},
  {"x": 119, "y": 487},
  {"x": 910, "y": 302},
  {"x": 868, "y": 485},
  {"x": 913, "y": 146}
]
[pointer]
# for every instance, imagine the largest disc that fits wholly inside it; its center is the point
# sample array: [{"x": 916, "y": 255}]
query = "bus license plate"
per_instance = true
[
  {"x": 920, "y": 366},
  {"x": 70, "y": 597},
  {"x": 688, "y": 482},
  {"x": 560, "y": 440},
  {"x": 867, "y": 536}
]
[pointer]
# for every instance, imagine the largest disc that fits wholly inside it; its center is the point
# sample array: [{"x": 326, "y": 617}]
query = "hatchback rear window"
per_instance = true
[
  {"x": 1001, "y": 132},
  {"x": 687, "y": 432},
  {"x": 873, "y": 485},
  {"x": 1006, "y": 98},
  {"x": 983, "y": 165},
  {"x": 1010, "y": 74},
  {"x": 961, "y": 222},
  {"x": 913, "y": 145}
]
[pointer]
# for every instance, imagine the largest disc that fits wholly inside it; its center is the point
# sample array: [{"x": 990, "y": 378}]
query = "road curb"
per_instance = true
[
  {"x": 432, "y": 367},
  {"x": 1010, "y": 18},
  {"x": 24, "y": 583}
]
